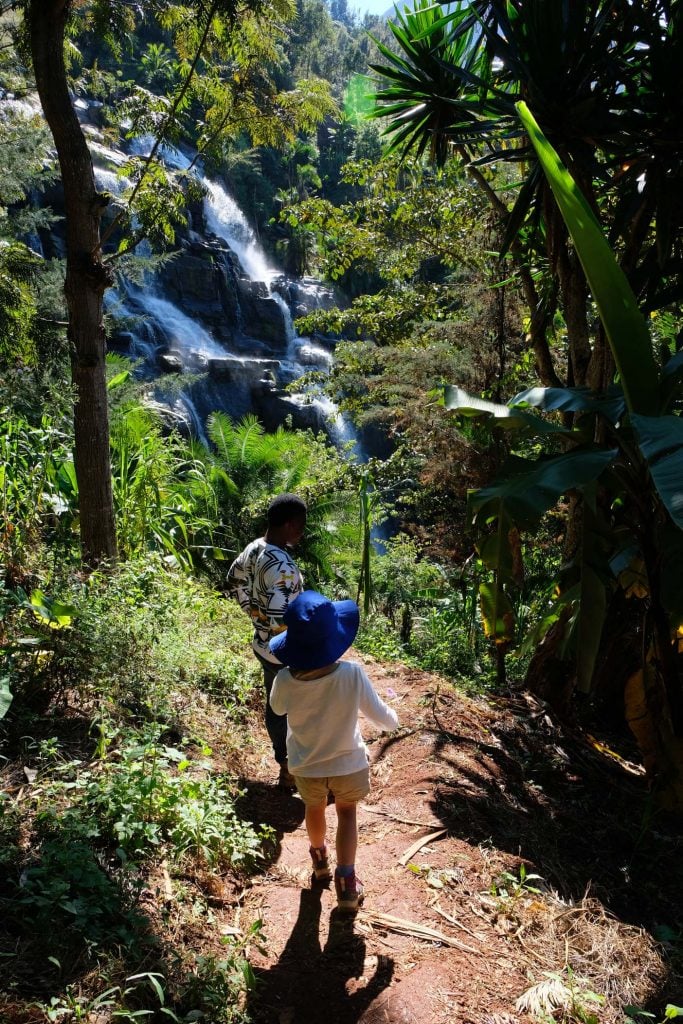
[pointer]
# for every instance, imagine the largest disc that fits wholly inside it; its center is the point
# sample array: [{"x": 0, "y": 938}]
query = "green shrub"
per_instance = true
[
  {"x": 443, "y": 641},
  {"x": 135, "y": 637},
  {"x": 36, "y": 489},
  {"x": 10, "y": 825},
  {"x": 68, "y": 890},
  {"x": 378, "y": 637},
  {"x": 145, "y": 796},
  {"x": 163, "y": 497},
  {"x": 425, "y": 616}
]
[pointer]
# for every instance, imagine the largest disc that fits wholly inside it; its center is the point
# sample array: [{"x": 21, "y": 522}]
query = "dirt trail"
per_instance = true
[{"x": 319, "y": 966}]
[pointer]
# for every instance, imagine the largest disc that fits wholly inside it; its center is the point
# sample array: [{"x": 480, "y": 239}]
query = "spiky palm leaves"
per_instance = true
[{"x": 603, "y": 80}]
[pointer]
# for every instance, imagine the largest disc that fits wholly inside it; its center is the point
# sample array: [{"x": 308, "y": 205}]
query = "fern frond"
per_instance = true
[{"x": 542, "y": 999}]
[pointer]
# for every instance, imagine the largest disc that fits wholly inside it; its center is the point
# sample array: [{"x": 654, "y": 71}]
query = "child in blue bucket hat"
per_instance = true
[{"x": 321, "y": 697}]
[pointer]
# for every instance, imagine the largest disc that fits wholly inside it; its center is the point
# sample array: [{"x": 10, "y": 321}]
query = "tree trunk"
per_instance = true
[{"x": 86, "y": 281}]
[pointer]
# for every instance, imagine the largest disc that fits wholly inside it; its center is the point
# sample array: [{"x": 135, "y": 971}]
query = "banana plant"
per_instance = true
[{"x": 632, "y": 487}]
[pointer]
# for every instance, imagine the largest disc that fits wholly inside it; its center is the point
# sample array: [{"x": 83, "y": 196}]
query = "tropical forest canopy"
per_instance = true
[{"x": 492, "y": 193}]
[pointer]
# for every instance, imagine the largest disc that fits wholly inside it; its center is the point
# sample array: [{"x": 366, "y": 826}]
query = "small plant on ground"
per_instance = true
[
  {"x": 634, "y": 1015},
  {"x": 561, "y": 997},
  {"x": 216, "y": 988},
  {"x": 120, "y": 1001},
  {"x": 510, "y": 886}
]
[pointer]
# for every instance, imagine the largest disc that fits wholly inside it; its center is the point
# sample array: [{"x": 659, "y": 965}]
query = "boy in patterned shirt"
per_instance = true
[{"x": 265, "y": 580}]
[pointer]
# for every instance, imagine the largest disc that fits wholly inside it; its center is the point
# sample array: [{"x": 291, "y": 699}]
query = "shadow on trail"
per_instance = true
[
  {"x": 319, "y": 985},
  {"x": 264, "y": 804},
  {"x": 507, "y": 778},
  {"x": 517, "y": 782}
]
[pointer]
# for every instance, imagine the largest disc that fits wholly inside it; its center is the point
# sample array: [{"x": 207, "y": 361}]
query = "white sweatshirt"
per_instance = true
[{"x": 323, "y": 735}]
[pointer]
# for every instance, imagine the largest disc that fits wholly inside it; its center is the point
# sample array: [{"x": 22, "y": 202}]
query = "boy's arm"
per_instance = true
[
  {"x": 374, "y": 708},
  {"x": 283, "y": 583},
  {"x": 237, "y": 584}
]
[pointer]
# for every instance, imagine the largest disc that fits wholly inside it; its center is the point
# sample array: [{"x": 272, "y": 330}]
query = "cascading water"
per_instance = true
[
  {"x": 179, "y": 333},
  {"x": 224, "y": 219},
  {"x": 220, "y": 310}
]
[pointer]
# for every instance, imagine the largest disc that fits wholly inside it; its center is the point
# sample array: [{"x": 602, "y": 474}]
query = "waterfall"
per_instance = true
[
  {"x": 225, "y": 219},
  {"x": 177, "y": 331},
  {"x": 139, "y": 334},
  {"x": 141, "y": 145},
  {"x": 247, "y": 363}
]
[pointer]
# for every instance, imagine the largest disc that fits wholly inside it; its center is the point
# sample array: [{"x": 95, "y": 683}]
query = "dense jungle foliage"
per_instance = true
[{"x": 494, "y": 189}]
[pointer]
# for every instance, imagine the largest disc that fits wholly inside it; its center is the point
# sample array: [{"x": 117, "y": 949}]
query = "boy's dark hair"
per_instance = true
[{"x": 286, "y": 507}]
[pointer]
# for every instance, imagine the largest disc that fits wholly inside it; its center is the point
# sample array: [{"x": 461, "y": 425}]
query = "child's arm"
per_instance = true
[
  {"x": 374, "y": 708},
  {"x": 277, "y": 698}
]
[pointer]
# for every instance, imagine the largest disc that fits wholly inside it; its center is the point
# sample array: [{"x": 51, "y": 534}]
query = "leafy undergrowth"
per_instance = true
[
  {"x": 149, "y": 868},
  {"x": 119, "y": 781}
]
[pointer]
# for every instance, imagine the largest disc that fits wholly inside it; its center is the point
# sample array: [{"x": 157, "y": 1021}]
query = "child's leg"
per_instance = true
[
  {"x": 348, "y": 790},
  {"x": 313, "y": 792},
  {"x": 316, "y": 824},
  {"x": 348, "y": 886},
  {"x": 347, "y": 833}
]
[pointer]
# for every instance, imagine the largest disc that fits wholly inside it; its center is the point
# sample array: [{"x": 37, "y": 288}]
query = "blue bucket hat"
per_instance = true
[{"x": 318, "y": 631}]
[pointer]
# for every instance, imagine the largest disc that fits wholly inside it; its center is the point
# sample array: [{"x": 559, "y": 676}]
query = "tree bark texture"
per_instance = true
[{"x": 86, "y": 281}]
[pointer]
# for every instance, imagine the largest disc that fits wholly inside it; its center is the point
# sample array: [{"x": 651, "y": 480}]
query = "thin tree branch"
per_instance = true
[
  {"x": 160, "y": 135},
  {"x": 181, "y": 177}
]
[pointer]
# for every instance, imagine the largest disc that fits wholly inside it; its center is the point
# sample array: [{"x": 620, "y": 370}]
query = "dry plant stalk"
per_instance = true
[{"x": 619, "y": 961}]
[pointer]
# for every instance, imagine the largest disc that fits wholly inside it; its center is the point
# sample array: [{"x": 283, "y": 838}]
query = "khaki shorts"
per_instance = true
[{"x": 347, "y": 789}]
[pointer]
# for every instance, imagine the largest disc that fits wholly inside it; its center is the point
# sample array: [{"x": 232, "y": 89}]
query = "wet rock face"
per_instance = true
[
  {"x": 170, "y": 362},
  {"x": 192, "y": 281},
  {"x": 262, "y": 316},
  {"x": 305, "y": 294},
  {"x": 205, "y": 280},
  {"x": 274, "y": 407},
  {"x": 216, "y": 311},
  {"x": 202, "y": 281},
  {"x": 235, "y": 370}
]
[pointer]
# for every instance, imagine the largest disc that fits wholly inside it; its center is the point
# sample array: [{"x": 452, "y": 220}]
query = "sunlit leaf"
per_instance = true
[
  {"x": 624, "y": 324},
  {"x": 5, "y": 695}
]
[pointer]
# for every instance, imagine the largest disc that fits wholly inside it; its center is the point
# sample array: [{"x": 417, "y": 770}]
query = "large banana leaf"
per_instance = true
[
  {"x": 611, "y": 406},
  {"x": 509, "y": 417},
  {"x": 537, "y": 484},
  {"x": 624, "y": 324},
  {"x": 661, "y": 442},
  {"x": 514, "y": 417},
  {"x": 5, "y": 695},
  {"x": 500, "y": 551},
  {"x": 497, "y": 614}
]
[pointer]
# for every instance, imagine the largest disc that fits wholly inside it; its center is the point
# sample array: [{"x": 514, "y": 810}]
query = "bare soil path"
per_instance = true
[{"x": 462, "y": 796}]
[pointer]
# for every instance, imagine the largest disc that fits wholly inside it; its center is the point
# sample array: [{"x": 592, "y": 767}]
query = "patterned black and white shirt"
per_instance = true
[{"x": 264, "y": 579}]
